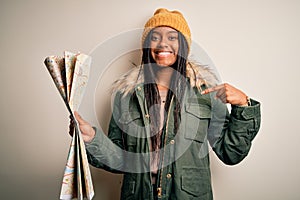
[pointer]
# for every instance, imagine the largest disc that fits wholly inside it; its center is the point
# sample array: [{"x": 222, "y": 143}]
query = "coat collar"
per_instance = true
[{"x": 198, "y": 75}]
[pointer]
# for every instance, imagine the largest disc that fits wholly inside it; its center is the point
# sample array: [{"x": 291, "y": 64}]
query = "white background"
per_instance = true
[{"x": 254, "y": 44}]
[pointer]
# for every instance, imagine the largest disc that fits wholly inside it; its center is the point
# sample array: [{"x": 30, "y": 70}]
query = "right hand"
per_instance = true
[{"x": 87, "y": 131}]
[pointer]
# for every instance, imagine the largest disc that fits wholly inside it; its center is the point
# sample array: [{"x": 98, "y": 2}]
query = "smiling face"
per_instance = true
[{"x": 164, "y": 46}]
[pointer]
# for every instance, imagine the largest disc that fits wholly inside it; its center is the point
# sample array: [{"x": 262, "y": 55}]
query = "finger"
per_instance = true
[
  {"x": 79, "y": 118},
  {"x": 221, "y": 92},
  {"x": 223, "y": 98},
  {"x": 212, "y": 89}
]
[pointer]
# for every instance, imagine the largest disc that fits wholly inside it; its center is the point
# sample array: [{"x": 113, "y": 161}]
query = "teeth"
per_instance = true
[{"x": 164, "y": 53}]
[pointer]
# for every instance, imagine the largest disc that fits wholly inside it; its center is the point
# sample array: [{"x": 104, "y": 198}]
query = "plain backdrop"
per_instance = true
[{"x": 254, "y": 45}]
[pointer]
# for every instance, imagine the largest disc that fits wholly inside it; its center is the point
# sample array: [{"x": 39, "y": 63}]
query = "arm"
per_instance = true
[
  {"x": 105, "y": 152},
  {"x": 102, "y": 151},
  {"x": 230, "y": 135}
]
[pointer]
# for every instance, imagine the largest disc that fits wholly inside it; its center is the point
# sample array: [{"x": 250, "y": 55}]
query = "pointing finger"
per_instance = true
[{"x": 212, "y": 89}]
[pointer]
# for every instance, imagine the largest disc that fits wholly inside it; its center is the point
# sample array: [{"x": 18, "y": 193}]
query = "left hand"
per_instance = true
[{"x": 228, "y": 94}]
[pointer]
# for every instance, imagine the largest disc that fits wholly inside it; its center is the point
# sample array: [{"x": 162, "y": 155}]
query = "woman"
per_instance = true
[{"x": 164, "y": 115}]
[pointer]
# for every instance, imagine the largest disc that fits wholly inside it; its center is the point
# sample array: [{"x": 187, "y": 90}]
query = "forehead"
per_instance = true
[{"x": 164, "y": 29}]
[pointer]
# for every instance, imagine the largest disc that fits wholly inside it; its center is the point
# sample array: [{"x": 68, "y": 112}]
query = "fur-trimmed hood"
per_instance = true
[{"x": 198, "y": 75}]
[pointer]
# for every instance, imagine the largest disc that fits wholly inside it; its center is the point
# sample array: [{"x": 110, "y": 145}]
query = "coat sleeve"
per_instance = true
[
  {"x": 106, "y": 152},
  {"x": 231, "y": 135}
]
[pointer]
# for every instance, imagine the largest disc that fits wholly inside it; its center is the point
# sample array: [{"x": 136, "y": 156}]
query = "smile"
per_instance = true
[{"x": 163, "y": 53}]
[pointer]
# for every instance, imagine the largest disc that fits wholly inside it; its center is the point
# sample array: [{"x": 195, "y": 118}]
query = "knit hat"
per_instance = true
[{"x": 173, "y": 19}]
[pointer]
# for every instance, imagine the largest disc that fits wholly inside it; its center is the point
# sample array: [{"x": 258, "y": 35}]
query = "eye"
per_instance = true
[
  {"x": 173, "y": 38},
  {"x": 154, "y": 38}
]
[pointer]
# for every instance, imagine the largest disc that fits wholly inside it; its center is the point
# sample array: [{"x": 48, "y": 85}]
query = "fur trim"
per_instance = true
[
  {"x": 201, "y": 75},
  {"x": 198, "y": 74}
]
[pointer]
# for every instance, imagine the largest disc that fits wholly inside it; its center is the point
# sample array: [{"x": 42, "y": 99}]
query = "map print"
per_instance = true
[
  {"x": 70, "y": 75},
  {"x": 80, "y": 79},
  {"x": 55, "y": 66}
]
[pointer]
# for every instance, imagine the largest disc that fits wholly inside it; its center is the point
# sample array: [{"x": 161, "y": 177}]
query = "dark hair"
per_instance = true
[{"x": 176, "y": 89}]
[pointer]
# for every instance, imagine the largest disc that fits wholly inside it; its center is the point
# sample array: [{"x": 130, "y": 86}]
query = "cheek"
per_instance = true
[
  {"x": 175, "y": 49},
  {"x": 152, "y": 45}
]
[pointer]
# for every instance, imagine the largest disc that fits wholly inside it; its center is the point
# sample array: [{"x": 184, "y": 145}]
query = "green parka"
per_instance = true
[{"x": 184, "y": 171}]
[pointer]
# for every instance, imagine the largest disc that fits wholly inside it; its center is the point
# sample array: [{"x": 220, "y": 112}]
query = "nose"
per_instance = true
[{"x": 163, "y": 42}]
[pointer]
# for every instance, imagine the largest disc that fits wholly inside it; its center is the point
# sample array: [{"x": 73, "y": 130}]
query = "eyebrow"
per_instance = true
[{"x": 168, "y": 32}]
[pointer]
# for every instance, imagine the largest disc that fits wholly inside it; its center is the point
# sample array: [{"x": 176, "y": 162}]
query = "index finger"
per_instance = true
[{"x": 212, "y": 89}]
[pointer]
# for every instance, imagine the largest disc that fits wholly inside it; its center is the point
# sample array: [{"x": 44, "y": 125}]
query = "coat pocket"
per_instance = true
[
  {"x": 195, "y": 181},
  {"x": 197, "y": 121},
  {"x": 128, "y": 117},
  {"x": 131, "y": 123}
]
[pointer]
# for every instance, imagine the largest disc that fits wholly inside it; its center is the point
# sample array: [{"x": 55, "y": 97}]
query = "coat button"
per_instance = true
[
  {"x": 139, "y": 88},
  {"x": 147, "y": 115},
  {"x": 172, "y": 141},
  {"x": 169, "y": 176}
]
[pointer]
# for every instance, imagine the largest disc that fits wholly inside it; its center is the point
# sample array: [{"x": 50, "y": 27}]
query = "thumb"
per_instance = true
[{"x": 79, "y": 118}]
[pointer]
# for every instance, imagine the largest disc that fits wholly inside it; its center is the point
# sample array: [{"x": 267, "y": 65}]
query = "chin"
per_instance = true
[{"x": 164, "y": 63}]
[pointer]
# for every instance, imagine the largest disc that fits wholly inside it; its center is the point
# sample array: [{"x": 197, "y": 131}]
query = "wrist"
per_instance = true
[{"x": 247, "y": 102}]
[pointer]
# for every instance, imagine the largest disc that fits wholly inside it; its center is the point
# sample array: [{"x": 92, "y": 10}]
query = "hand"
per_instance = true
[
  {"x": 228, "y": 94},
  {"x": 87, "y": 131}
]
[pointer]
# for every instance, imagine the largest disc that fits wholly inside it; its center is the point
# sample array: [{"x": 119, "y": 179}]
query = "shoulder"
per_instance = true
[{"x": 127, "y": 83}]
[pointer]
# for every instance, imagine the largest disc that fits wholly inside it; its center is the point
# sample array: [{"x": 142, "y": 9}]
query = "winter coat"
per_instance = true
[{"x": 184, "y": 157}]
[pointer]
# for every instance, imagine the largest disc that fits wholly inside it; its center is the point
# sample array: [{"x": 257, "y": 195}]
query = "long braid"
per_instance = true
[{"x": 151, "y": 92}]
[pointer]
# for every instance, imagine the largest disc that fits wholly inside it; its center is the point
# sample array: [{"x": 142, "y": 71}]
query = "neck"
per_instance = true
[{"x": 163, "y": 77}]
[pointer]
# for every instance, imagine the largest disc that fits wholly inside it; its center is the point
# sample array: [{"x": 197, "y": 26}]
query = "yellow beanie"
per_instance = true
[{"x": 173, "y": 19}]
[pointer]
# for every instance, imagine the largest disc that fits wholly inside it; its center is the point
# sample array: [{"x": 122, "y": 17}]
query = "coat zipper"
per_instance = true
[{"x": 159, "y": 189}]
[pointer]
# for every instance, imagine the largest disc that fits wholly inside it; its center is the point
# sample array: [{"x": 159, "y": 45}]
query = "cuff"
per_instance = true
[
  {"x": 93, "y": 146},
  {"x": 246, "y": 112}
]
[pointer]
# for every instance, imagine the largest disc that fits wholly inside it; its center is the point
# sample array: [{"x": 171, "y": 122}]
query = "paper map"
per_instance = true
[{"x": 70, "y": 75}]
